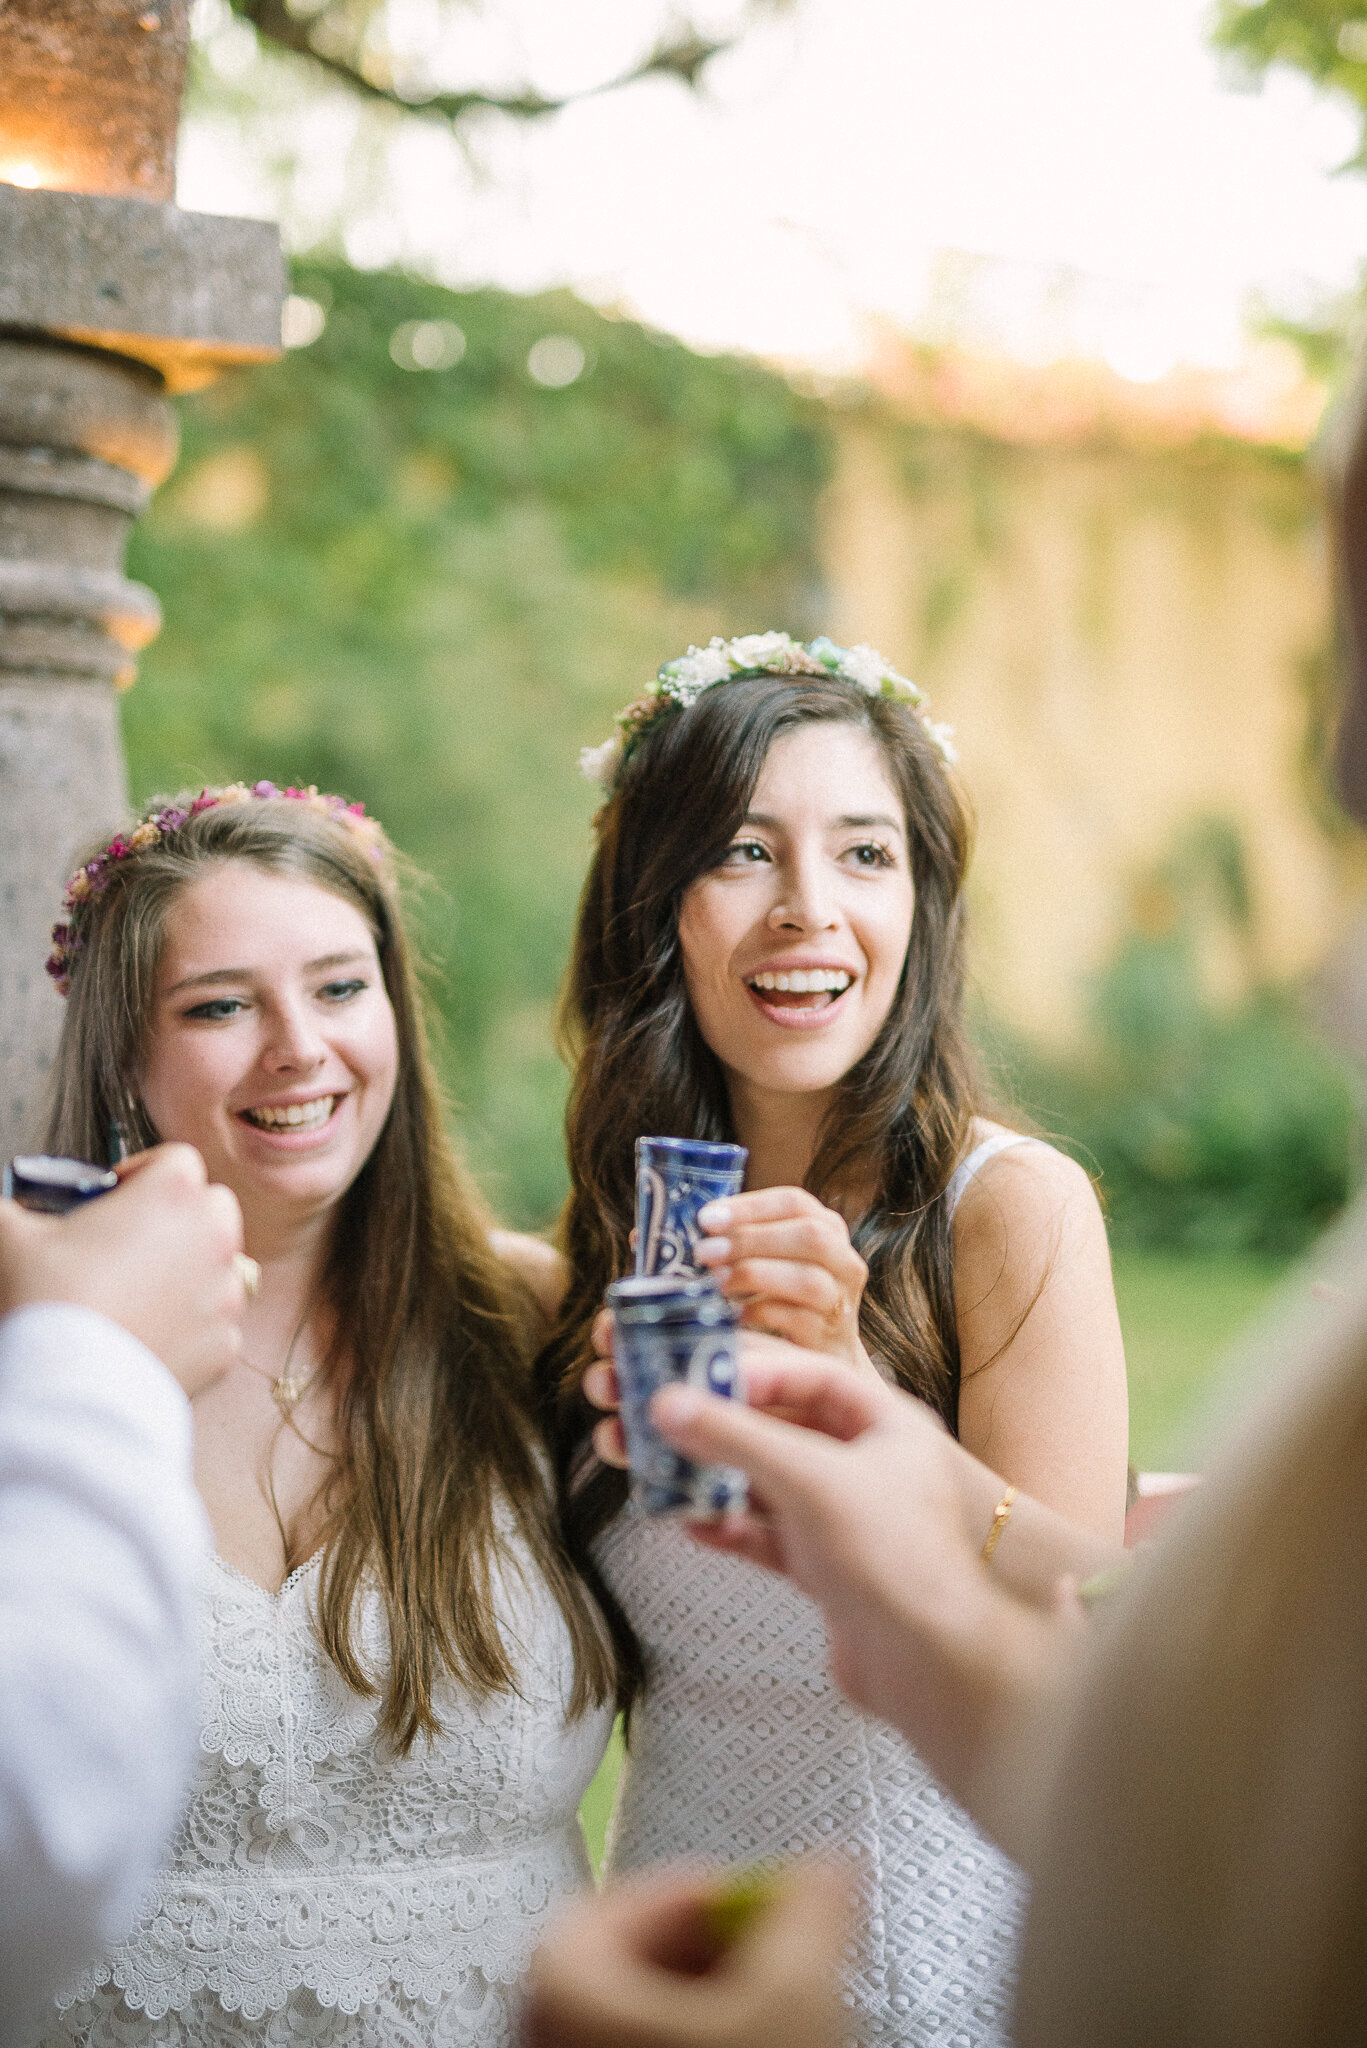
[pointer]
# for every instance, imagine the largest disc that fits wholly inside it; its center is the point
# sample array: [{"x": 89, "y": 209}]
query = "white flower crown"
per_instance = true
[{"x": 680, "y": 683}]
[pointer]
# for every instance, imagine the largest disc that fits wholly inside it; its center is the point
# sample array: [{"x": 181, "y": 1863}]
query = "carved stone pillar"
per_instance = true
[{"x": 84, "y": 438}]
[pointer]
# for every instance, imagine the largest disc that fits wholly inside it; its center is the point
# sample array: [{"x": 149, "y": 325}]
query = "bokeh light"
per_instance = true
[
  {"x": 555, "y": 361},
  {"x": 427, "y": 345}
]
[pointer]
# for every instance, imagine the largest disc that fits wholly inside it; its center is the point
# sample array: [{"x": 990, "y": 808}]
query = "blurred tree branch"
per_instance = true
[
  {"x": 1326, "y": 39},
  {"x": 338, "y": 36}
]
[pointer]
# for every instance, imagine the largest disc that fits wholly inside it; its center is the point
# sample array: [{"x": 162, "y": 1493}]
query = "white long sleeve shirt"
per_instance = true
[{"x": 101, "y": 1540}]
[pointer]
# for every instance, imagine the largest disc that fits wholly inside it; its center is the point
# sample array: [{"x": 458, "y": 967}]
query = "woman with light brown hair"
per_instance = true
[
  {"x": 770, "y": 951},
  {"x": 403, "y": 1681}
]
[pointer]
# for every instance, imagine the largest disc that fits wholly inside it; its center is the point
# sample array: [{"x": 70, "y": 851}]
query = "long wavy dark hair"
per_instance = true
[
  {"x": 902, "y": 1116},
  {"x": 430, "y": 1363}
]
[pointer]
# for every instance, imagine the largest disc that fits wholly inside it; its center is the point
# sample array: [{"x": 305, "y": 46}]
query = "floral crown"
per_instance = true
[
  {"x": 681, "y": 683},
  {"x": 94, "y": 878}
]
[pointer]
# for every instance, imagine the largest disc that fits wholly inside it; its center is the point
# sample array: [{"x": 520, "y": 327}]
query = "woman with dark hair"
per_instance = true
[
  {"x": 770, "y": 951},
  {"x": 404, "y": 1684}
]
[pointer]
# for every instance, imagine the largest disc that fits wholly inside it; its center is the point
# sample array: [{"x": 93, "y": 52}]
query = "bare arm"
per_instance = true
[
  {"x": 1042, "y": 1396},
  {"x": 1042, "y": 1393}
]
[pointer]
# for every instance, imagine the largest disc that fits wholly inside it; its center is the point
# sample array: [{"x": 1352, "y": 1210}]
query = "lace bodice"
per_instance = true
[
  {"x": 742, "y": 1749},
  {"x": 323, "y": 1890}
]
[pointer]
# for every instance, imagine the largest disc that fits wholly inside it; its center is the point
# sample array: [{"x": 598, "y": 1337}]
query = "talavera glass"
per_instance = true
[
  {"x": 669, "y": 1329},
  {"x": 675, "y": 1177}
]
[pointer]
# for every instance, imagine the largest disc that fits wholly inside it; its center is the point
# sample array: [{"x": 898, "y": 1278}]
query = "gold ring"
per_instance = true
[{"x": 249, "y": 1273}]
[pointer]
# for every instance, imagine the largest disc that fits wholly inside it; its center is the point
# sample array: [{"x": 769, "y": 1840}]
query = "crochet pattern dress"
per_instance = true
[
  {"x": 741, "y": 1748},
  {"x": 322, "y": 1892}
]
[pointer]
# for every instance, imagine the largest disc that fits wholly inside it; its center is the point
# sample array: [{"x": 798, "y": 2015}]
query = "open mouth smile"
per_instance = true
[
  {"x": 800, "y": 994},
  {"x": 290, "y": 1118}
]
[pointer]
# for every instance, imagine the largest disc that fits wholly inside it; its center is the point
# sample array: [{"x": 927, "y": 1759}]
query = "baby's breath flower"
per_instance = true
[
  {"x": 681, "y": 682},
  {"x": 599, "y": 764}
]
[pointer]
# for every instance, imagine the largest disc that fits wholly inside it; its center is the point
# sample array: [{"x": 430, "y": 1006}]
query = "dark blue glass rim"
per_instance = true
[{"x": 698, "y": 1148}]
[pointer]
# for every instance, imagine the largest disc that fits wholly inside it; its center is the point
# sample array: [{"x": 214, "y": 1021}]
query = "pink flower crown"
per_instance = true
[{"x": 97, "y": 874}]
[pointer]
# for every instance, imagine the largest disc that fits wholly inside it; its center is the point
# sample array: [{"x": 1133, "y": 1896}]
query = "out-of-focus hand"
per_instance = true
[
  {"x": 854, "y": 1489},
  {"x": 600, "y": 1387},
  {"x": 787, "y": 1262},
  {"x": 873, "y": 1510},
  {"x": 637, "y": 1967},
  {"x": 157, "y": 1255}
]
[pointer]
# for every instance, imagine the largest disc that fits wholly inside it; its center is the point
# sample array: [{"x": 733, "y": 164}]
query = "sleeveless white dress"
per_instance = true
[
  {"x": 742, "y": 1748},
  {"x": 321, "y": 1891}
]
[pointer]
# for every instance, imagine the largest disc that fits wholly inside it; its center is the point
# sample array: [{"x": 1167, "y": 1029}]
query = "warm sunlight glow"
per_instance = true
[
  {"x": 26, "y": 175},
  {"x": 1056, "y": 182}
]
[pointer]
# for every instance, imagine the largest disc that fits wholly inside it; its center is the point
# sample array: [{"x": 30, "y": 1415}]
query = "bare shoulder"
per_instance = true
[
  {"x": 537, "y": 1264},
  {"x": 1042, "y": 1361},
  {"x": 1027, "y": 1166},
  {"x": 1022, "y": 1200}
]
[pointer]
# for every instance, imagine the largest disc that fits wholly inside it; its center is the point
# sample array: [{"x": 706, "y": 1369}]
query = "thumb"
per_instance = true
[
  {"x": 162, "y": 1168},
  {"x": 790, "y": 1963},
  {"x": 779, "y": 1456},
  {"x": 17, "y": 1228},
  {"x": 809, "y": 1919}
]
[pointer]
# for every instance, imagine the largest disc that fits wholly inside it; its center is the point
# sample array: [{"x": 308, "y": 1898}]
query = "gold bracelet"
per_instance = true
[{"x": 1001, "y": 1515}]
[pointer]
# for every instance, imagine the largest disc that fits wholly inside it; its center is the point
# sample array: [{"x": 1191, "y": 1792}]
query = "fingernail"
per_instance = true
[
  {"x": 715, "y": 1215},
  {"x": 710, "y": 1249}
]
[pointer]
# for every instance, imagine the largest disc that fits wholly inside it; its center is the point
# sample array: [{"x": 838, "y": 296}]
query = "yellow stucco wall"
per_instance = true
[{"x": 1122, "y": 637}]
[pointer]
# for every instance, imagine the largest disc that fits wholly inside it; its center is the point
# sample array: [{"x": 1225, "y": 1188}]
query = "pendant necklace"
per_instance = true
[{"x": 287, "y": 1391}]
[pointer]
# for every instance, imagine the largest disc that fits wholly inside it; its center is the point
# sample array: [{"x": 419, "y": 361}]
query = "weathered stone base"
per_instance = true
[{"x": 61, "y": 789}]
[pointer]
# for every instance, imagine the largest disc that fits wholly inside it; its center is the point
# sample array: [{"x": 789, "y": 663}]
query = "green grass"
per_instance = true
[
  {"x": 1179, "y": 1314},
  {"x": 596, "y": 1806}
]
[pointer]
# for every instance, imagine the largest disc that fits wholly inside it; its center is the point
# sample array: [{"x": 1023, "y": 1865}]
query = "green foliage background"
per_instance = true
[
  {"x": 1326, "y": 39},
  {"x": 453, "y": 580},
  {"x": 430, "y": 589},
  {"x": 1218, "y": 1129}
]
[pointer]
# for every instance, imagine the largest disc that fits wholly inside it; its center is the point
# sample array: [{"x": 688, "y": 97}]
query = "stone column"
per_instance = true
[
  {"x": 110, "y": 299},
  {"x": 84, "y": 437}
]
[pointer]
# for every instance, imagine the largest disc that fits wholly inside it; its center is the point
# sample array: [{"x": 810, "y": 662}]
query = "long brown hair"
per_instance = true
[
  {"x": 902, "y": 1116},
  {"x": 430, "y": 1360}
]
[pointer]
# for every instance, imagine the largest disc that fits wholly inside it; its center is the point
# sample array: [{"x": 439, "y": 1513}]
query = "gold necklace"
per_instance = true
[{"x": 286, "y": 1391}]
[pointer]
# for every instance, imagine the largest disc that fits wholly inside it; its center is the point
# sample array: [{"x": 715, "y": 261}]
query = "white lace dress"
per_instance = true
[
  {"x": 324, "y": 1893},
  {"x": 741, "y": 1749}
]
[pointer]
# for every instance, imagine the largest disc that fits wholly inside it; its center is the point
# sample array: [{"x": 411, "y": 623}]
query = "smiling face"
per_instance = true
[
  {"x": 272, "y": 1046},
  {"x": 793, "y": 946}
]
